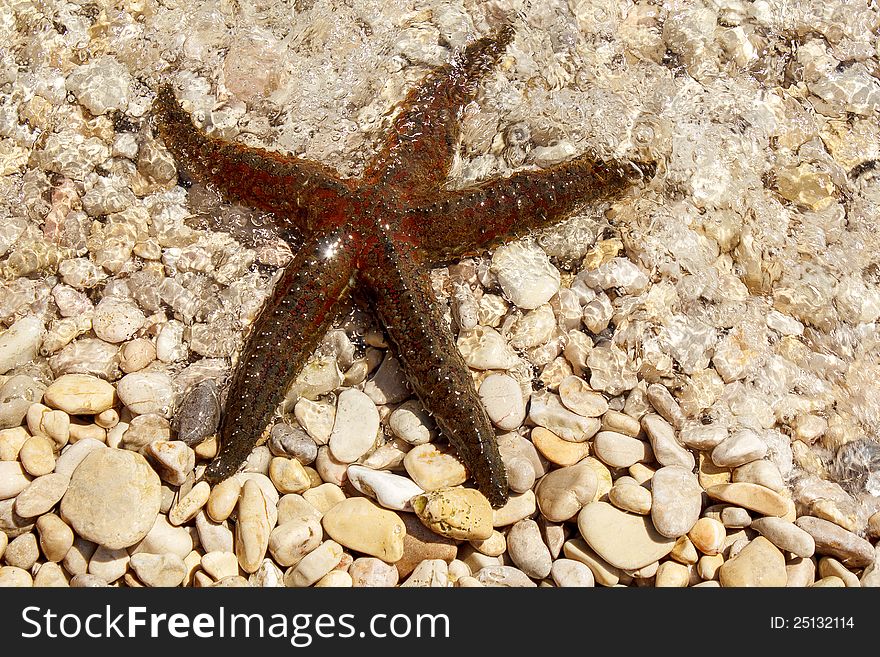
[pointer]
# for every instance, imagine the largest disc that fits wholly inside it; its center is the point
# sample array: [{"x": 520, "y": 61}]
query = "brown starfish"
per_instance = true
[{"x": 380, "y": 234}]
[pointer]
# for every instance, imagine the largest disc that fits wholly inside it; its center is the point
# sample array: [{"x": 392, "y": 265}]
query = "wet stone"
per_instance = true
[
  {"x": 677, "y": 501},
  {"x": 198, "y": 415},
  {"x": 623, "y": 540},
  {"x": 831, "y": 539}
]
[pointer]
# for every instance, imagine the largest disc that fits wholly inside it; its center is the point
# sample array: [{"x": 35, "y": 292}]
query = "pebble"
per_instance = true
[
  {"x": 684, "y": 551},
  {"x": 362, "y": 526},
  {"x": 372, "y": 572},
  {"x": 562, "y": 493},
  {"x": 13, "y": 479},
  {"x": 4, "y": 541},
  {"x": 429, "y": 573},
  {"x": 113, "y": 498},
  {"x": 173, "y": 460},
  {"x": 458, "y": 513},
  {"x": 146, "y": 392},
  {"x": 199, "y": 414},
  {"x": 136, "y": 354},
  {"x": 527, "y": 550},
  {"x": 676, "y": 501},
  {"x": 252, "y": 526},
  {"x": 570, "y": 573},
  {"x": 758, "y": 564},
  {"x": 164, "y": 537},
  {"x": 741, "y": 447},
  {"x": 494, "y": 546},
  {"x": 671, "y": 574},
  {"x": 785, "y": 535},
  {"x": 290, "y": 541},
  {"x": 518, "y": 506},
  {"x": 833, "y": 540},
  {"x": 390, "y": 490},
  {"x": 220, "y": 564},
  {"x": 752, "y": 497},
  {"x": 829, "y": 582},
  {"x": 420, "y": 543},
  {"x": 11, "y": 441},
  {"x": 831, "y": 567},
  {"x": 620, "y": 423},
  {"x": 556, "y": 450},
  {"x": 223, "y": 498},
  {"x": 314, "y": 565},
  {"x": 546, "y": 410},
  {"x": 735, "y": 517},
  {"x": 144, "y": 429},
  {"x": 708, "y": 565},
  {"x": 13, "y": 577},
  {"x": 762, "y": 472},
  {"x": 50, "y": 575},
  {"x": 667, "y": 449},
  {"x": 288, "y": 475},
  {"x": 702, "y": 436},
  {"x": 56, "y": 537},
  {"x": 23, "y": 551},
  {"x": 623, "y": 540},
  {"x": 80, "y": 394},
  {"x": 620, "y": 451},
  {"x": 41, "y": 495},
  {"x": 285, "y": 440},
  {"x": 109, "y": 564},
  {"x": 214, "y": 536},
  {"x": 604, "y": 573},
  {"x": 520, "y": 474},
  {"x": 525, "y": 274},
  {"x": 20, "y": 343},
  {"x": 355, "y": 427},
  {"x": 801, "y": 572},
  {"x": 503, "y": 576},
  {"x": 630, "y": 497},
  {"x": 708, "y": 536},
  {"x": 664, "y": 403},
  {"x": 324, "y": 497},
  {"x": 410, "y": 422},
  {"x": 37, "y": 456},
  {"x": 335, "y": 579},
  {"x": 433, "y": 469},
  {"x": 577, "y": 395},
  {"x": 76, "y": 561},
  {"x": 116, "y": 319},
  {"x": 503, "y": 400},
  {"x": 188, "y": 506},
  {"x": 158, "y": 570}
]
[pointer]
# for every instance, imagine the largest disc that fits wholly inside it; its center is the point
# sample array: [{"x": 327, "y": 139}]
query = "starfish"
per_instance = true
[{"x": 377, "y": 236}]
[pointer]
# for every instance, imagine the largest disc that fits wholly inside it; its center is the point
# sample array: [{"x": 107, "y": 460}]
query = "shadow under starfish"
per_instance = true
[{"x": 380, "y": 234}]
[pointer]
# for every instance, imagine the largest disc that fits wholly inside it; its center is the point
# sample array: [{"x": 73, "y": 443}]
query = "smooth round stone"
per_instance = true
[
  {"x": 556, "y": 450},
  {"x": 503, "y": 576},
  {"x": 223, "y": 498},
  {"x": 831, "y": 539},
  {"x": 146, "y": 392},
  {"x": 158, "y": 570},
  {"x": 286, "y": 440},
  {"x": 336, "y": 579},
  {"x": 356, "y": 426},
  {"x": 372, "y": 572},
  {"x": 525, "y": 274},
  {"x": 410, "y": 422},
  {"x": 50, "y": 575},
  {"x": 664, "y": 403},
  {"x": 11, "y": 441},
  {"x": 762, "y": 472},
  {"x": 109, "y": 564},
  {"x": 56, "y": 537},
  {"x": 603, "y": 476},
  {"x": 562, "y": 493},
  {"x": 667, "y": 449},
  {"x": 288, "y": 475},
  {"x": 20, "y": 342},
  {"x": 512, "y": 446},
  {"x": 13, "y": 577},
  {"x": 702, "y": 436},
  {"x": 604, "y": 573},
  {"x": 432, "y": 469},
  {"x": 13, "y": 479},
  {"x": 520, "y": 474},
  {"x": 494, "y": 546},
  {"x": 671, "y": 574},
  {"x": 620, "y": 451},
  {"x": 136, "y": 355},
  {"x": 80, "y": 394},
  {"x": 735, "y": 517},
  {"x": 758, "y": 564},
  {"x": 190, "y": 504},
  {"x": 631, "y": 497},
  {"x": 458, "y": 513},
  {"x": 527, "y": 549},
  {"x": 113, "y": 498},
  {"x": 577, "y": 395},
  {"x": 620, "y": 423},
  {"x": 252, "y": 526},
  {"x": 116, "y": 320},
  {"x": 324, "y": 497},
  {"x": 517, "y": 507},
  {"x": 198, "y": 415},
  {"x": 23, "y": 551},
  {"x": 214, "y": 536},
  {"x": 684, "y": 551},
  {"x": 174, "y": 460},
  {"x": 41, "y": 495},
  {"x": 291, "y": 541},
  {"x": 750, "y": 496},
  {"x": 830, "y": 567},
  {"x": 623, "y": 540},
  {"x": 708, "y": 535},
  {"x": 677, "y": 500},
  {"x": 421, "y": 543},
  {"x": 269, "y": 492},
  {"x": 570, "y": 574},
  {"x": 164, "y": 538},
  {"x": 503, "y": 400},
  {"x": 741, "y": 447},
  {"x": 708, "y": 565},
  {"x": 546, "y": 410},
  {"x": 37, "y": 456},
  {"x": 429, "y": 573},
  {"x": 785, "y": 535},
  {"x": 314, "y": 565},
  {"x": 220, "y": 564},
  {"x": 390, "y": 490},
  {"x": 362, "y": 526}
]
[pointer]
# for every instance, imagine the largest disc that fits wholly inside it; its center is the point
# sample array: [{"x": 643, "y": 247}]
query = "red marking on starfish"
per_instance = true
[{"x": 380, "y": 234}]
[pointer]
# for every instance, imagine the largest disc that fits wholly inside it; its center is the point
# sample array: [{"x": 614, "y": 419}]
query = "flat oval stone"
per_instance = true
[
  {"x": 571, "y": 573},
  {"x": 158, "y": 570},
  {"x": 630, "y": 497},
  {"x": 527, "y": 549},
  {"x": 292, "y": 540},
  {"x": 503, "y": 399},
  {"x": 433, "y": 469},
  {"x": 562, "y": 493},
  {"x": 667, "y": 449},
  {"x": 80, "y": 394},
  {"x": 390, "y": 490},
  {"x": 41, "y": 495},
  {"x": 459, "y": 513},
  {"x": 503, "y": 576},
  {"x": 355, "y": 427},
  {"x": 113, "y": 498},
  {"x": 372, "y": 572},
  {"x": 741, "y": 447},
  {"x": 314, "y": 565},
  {"x": 676, "y": 501},
  {"x": 758, "y": 564},
  {"x": 13, "y": 479},
  {"x": 546, "y": 410},
  {"x": 362, "y": 526},
  {"x": 556, "y": 450},
  {"x": 525, "y": 274},
  {"x": 577, "y": 395},
  {"x": 785, "y": 535},
  {"x": 147, "y": 392},
  {"x": 620, "y": 451},
  {"x": 623, "y": 540},
  {"x": 252, "y": 527},
  {"x": 834, "y": 540},
  {"x": 750, "y": 496}
]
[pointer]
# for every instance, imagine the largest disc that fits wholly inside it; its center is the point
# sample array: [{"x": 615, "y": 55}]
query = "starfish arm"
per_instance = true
[
  {"x": 265, "y": 180},
  {"x": 405, "y": 305},
  {"x": 473, "y": 219},
  {"x": 418, "y": 153},
  {"x": 304, "y": 303}
]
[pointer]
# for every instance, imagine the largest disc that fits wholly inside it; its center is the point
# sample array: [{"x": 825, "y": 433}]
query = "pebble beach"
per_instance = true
[{"x": 684, "y": 381}]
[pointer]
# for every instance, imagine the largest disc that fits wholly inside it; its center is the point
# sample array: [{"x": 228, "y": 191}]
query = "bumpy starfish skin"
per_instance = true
[{"x": 379, "y": 235}]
